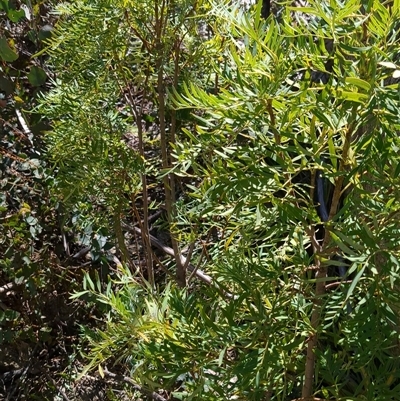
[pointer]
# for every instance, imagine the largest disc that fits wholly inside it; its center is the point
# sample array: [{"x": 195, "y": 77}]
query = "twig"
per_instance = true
[
  {"x": 337, "y": 284},
  {"x": 65, "y": 243},
  {"x": 169, "y": 251},
  {"x": 322, "y": 268},
  {"x": 155, "y": 396},
  {"x": 61, "y": 391},
  {"x": 189, "y": 255},
  {"x": 24, "y": 125},
  {"x": 193, "y": 273},
  {"x": 310, "y": 399},
  {"x": 83, "y": 252},
  {"x": 152, "y": 218},
  {"x": 137, "y": 113},
  {"x": 22, "y": 373},
  {"x": 11, "y": 375},
  {"x": 115, "y": 260}
]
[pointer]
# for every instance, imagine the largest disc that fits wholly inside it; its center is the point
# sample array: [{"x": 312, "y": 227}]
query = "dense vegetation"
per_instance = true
[{"x": 208, "y": 207}]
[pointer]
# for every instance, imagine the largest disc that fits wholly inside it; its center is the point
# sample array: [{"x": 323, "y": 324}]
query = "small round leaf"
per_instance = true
[
  {"x": 6, "y": 53},
  {"x": 36, "y": 76}
]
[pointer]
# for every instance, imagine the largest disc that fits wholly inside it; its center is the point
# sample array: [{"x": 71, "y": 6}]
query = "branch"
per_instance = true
[
  {"x": 184, "y": 260},
  {"x": 169, "y": 251},
  {"x": 266, "y": 9},
  {"x": 83, "y": 252},
  {"x": 310, "y": 399},
  {"x": 24, "y": 125},
  {"x": 155, "y": 396},
  {"x": 322, "y": 268}
]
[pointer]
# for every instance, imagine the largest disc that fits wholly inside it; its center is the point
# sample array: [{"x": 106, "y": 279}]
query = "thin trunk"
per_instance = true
[
  {"x": 168, "y": 179},
  {"x": 137, "y": 113},
  {"x": 322, "y": 269}
]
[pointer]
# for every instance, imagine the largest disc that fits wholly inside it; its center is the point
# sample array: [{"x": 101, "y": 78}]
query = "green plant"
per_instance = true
[
  {"x": 294, "y": 125},
  {"x": 274, "y": 105},
  {"x": 101, "y": 105},
  {"x": 33, "y": 243}
]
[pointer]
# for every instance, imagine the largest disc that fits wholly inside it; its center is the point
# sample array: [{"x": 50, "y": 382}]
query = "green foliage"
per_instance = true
[
  {"x": 88, "y": 103},
  {"x": 170, "y": 341},
  {"x": 17, "y": 46},
  {"x": 6, "y": 52},
  {"x": 11, "y": 12},
  {"x": 293, "y": 126},
  {"x": 33, "y": 278},
  {"x": 273, "y": 104}
]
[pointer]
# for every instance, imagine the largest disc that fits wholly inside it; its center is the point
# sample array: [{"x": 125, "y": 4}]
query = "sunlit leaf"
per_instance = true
[
  {"x": 396, "y": 74},
  {"x": 387, "y": 64},
  {"x": 359, "y": 83}
]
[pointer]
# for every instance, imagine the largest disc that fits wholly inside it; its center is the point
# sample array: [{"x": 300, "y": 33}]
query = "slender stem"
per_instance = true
[
  {"x": 322, "y": 268},
  {"x": 168, "y": 179},
  {"x": 137, "y": 113},
  {"x": 272, "y": 119}
]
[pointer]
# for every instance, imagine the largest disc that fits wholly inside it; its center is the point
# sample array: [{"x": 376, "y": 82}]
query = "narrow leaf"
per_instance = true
[
  {"x": 388, "y": 64},
  {"x": 349, "y": 241},
  {"x": 78, "y": 294},
  {"x": 360, "y": 83},
  {"x": 354, "y": 283}
]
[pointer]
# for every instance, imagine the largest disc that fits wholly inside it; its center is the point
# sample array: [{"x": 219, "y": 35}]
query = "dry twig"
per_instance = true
[{"x": 155, "y": 396}]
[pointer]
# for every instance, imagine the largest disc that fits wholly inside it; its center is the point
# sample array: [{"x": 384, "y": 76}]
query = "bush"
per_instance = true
[{"x": 275, "y": 108}]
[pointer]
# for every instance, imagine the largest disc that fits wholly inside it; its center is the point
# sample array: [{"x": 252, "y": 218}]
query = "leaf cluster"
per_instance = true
[{"x": 277, "y": 104}]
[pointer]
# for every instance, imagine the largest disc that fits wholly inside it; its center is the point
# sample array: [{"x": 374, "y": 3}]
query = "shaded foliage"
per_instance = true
[{"x": 222, "y": 121}]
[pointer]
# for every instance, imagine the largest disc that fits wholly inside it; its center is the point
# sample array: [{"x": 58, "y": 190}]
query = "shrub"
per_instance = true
[{"x": 276, "y": 107}]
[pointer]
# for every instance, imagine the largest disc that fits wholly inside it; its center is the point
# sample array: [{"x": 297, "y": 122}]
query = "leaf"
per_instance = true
[
  {"x": 101, "y": 372},
  {"x": 15, "y": 15},
  {"x": 348, "y": 240},
  {"x": 78, "y": 294},
  {"x": 87, "y": 280},
  {"x": 388, "y": 64},
  {"x": 6, "y": 53},
  {"x": 4, "y": 5},
  {"x": 354, "y": 283},
  {"x": 396, "y": 74},
  {"x": 31, "y": 220},
  {"x": 231, "y": 237},
  {"x": 221, "y": 356},
  {"x": 360, "y": 83},
  {"x": 352, "y": 96},
  {"x": 45, "y": 32},
  {"x": 6, "y": 85},
  {"x": 37, "y": 76},
  {"x": 26, "y": 11},
  {"x": 354, "y": 49},
  {"x": 324, "y": 117},
  {"x": 397, "y": 171},
  {"x": 332, "y": 152}
]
